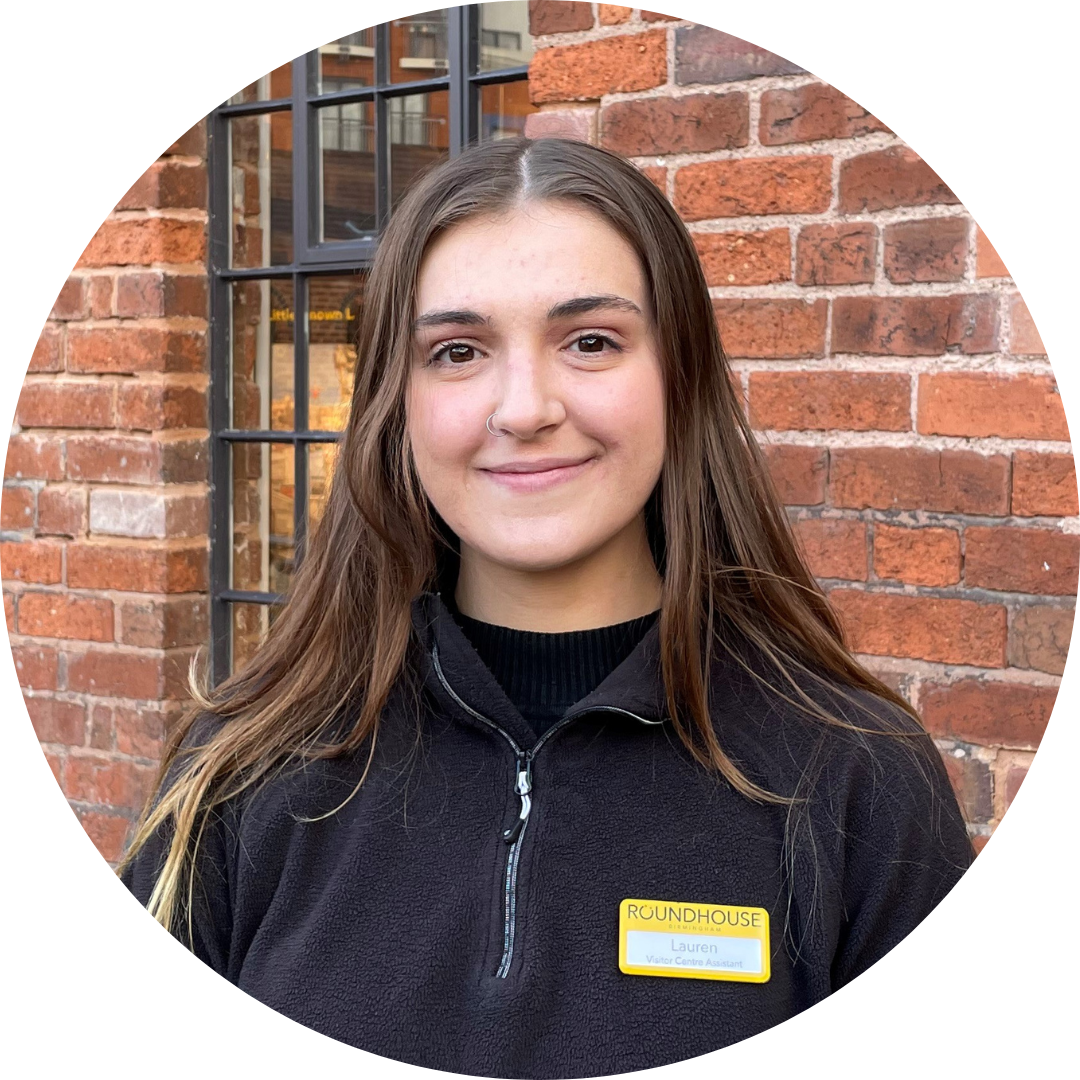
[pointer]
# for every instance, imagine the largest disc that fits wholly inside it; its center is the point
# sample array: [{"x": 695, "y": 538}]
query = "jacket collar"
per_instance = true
[{"x": 454, "y": 672}]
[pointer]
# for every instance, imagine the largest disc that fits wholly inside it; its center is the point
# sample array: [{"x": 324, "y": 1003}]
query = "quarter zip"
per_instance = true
[{"x": 523, "y": 788}]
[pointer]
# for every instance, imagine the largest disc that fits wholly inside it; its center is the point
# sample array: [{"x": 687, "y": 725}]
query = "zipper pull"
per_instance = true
[{"x": 522, "y": 787}]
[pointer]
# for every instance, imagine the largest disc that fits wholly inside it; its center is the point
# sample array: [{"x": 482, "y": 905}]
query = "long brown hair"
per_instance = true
[{"x": 730, "y": 565}]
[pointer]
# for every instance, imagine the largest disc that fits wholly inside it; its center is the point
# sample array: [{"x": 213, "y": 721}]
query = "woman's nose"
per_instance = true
[{"x": 527, "y": 400}]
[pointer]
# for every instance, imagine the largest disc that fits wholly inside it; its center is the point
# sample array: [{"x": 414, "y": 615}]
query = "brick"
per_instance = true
[
  {"x": 987, "y": 261},
  {"x": 102, "y": 734},
  {"x": 34, "y": 457},
  {"x": 610, "y": 65},
  {"x": 131, "y": 568},
  {"x": 980, "y": 404},
  {"x": 613, "y": 14},
  {"x": 115, "y": 674},
  {"x": 906, "y": 478},
  {"x": 133, "y": 350},
  {"x": 914, "y": 325},
  {"x": 9, "y": 611},
  {"x": 695, "y": 124},
  {"x": 942, "y": 630},
  {"x": 36, "y": 667},
  {"x": 978, "y": 842},
  {"x": 62, "y": 512},
  {"x": 71, "y": 302},
  {"x": 114, "y": 459},
  {"x": 812, "y": 112},
  {"x": 140, "y": 732},
  {"x": 48, "y": 354},
  {"x": 842, "y": 254},
  {"x": 185, "y": 461},
  {"x": 176, "y": 671},
  {"x": 159, "y": 293},
  {"x": 1011, "y": 559},
  {"x": 553, "y": 17},
  {"x": 66, "y": 404},
  {"x": 38, "y": 561},
  {"x": 989, "y": 712},
  {"x": 798, "y": 473},
  {"x": 144, "y": 406},
  {"x": 931, "y": 250},
  {"x": 1014, "y": 777},
  {"x": 191, "y": 144},
  {"x": 772, "y": 329},
  {"x": 107, "y": 782},
  {"x": 1024, "y": 339},
  {"x": 656, "y": 16},
  {"x": 64, "y": 615},
  {"x": 168, "y": 185},
  {"x": 101, "y": 296},
  {"x": 753, "y": 186},
  {"x": 744, "y": 258},
  {"x": 57, "y": 721},
  {"x": 1044, "y": 484},
  {"x": 970, "y": 779},
  {"x": 580, "y": 124},
  {"x": 833, "y": 547},
  {"x": 147, "y": 514},
  {"x": 1039, "y": 637},
  {"x": 657, "y": 174},
  {"x": 144, "y": 241},
  {"x": 888, "y": 178},
  {"x": 18, "y": 508},
  {"x": 917, "y": 556},
  {"x": 820, "y": 400},
  {"x": 704, "y": 55},
  {"x": 165, "y": 624},
  {"x": 107, "y": 832}
]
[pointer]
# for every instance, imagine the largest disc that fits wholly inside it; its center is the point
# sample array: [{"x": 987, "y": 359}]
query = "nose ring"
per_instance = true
[{"x": 487, "y": 424}]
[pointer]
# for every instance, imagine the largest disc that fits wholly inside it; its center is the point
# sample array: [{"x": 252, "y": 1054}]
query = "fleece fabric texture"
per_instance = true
[{"x": 391, "y": 925}]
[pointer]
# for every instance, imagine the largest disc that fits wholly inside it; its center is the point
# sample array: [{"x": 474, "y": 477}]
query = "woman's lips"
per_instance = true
[{"x": 537, "y": 481}]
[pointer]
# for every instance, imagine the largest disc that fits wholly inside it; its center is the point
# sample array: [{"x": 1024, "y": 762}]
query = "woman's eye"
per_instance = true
[
  {"x": 595, "y": 343},
  {"x": 455, "y": 352}
]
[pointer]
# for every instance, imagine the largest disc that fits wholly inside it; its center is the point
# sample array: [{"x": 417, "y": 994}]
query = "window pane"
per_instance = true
[
  {"x": 333, "y": 321},
  {"x": 418, "y": 47},
  {"x": 505, "y": 41},
  {"x": 260, "y": 189},
  {"x": 503, "y": 108},
  {"x": 277, "y": 84},
  {"x": 349, "y": 60},
  {"x": 346, "y": 152},
  {"x": 261, "y": 387},
  {"x": 418, "y": 136},
  {"x": 250, "y": 622},
  {"x": 321, "y": 459},
  {"x": 262, "y": 516}
]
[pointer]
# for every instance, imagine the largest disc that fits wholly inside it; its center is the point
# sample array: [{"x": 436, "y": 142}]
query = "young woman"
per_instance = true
[{"x": 555, "y": 763}]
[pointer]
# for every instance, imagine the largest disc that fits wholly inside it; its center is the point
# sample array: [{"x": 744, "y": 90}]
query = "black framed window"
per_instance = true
[{"x": 306, "y": 166}]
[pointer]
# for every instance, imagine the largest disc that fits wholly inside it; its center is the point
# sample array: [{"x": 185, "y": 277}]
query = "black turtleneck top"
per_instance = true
[{"x": 544, "y": 674}]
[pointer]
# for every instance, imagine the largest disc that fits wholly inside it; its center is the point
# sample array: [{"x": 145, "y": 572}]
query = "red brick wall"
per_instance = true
[
  {"x": 887, "y": 361},
  {"x": 103, "y": 532}
]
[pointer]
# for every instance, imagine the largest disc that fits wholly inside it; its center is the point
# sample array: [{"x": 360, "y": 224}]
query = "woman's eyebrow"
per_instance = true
[{"x": 577, "y": 305}]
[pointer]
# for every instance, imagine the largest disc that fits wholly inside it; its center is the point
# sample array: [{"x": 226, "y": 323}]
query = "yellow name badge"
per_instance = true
[{"x": 694, "y": 941}]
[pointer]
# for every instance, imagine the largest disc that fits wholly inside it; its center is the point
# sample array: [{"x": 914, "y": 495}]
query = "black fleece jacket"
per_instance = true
[{"x": 406, "y": 924}]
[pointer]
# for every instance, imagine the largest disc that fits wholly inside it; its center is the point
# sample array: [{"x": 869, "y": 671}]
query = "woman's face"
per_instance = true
[{"x": 541, "y": 316}]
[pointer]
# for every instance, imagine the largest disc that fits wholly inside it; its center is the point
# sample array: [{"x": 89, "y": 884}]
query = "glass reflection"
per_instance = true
[
  {"x": 260, "y": 189},
  {"x": 335, "y": 302},
  {"x": 503, "y": 109},
  {"x": 418, "y": 47},
  {"x": 347, "y": 168},
  {"x": 261, "y": 384},
  {"x": 505, "y": 41},
  {"x": 263, "y": 494},
  {"x": 419, "y": 135}
]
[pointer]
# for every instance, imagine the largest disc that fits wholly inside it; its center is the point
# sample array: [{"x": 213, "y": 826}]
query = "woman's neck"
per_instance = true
[{"x": 614, "y": 584}]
